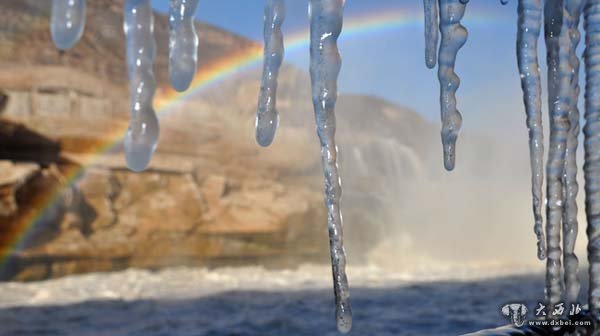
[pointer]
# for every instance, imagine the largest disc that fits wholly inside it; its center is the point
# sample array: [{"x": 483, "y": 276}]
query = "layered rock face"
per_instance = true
[
  {"x": 210, "y": 197},
  {"x": 214, "y": 204}
]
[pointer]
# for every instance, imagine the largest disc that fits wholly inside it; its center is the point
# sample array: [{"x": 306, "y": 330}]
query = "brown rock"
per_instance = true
[
  {"x": 174, "y": 207},
  {"x": 12, "y": 177},
  {"x": 211, "y": 196}
]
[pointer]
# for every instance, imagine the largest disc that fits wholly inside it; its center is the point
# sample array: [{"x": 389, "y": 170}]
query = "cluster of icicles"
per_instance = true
[
  {"x": 561, "y": 21},
  {"x": 67, "y": 25},
  {"x": 561, "y": 34}
]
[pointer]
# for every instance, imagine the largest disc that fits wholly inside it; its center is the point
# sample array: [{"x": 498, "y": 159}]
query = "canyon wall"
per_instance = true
[{"x": 210, "y": 197}]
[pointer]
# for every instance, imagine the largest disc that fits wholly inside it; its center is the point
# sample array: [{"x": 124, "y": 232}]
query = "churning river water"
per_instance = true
[{"x": 256, "y": 301}]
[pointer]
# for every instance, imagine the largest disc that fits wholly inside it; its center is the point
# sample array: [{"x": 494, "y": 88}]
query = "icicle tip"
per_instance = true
[
  {"x": 344, "y": 322},
  {"x": 449, "y": 156},
  {"x": 266, "y": 129},
  {"x": 140, "y": 142}
]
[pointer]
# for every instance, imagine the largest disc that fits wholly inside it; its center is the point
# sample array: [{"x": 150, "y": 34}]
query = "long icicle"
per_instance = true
[
  {"x": 267, "y": 116},
  {"x": 183, "y": 43},
  {"x": 326, "y": 18},
  {"x": 591, "y": 130},
  {"x": 454, "y": 36},
  {"x": 67, "y": 22},
  {"x": 559, "y": 87},
  {"x": 570, "y": 225},
  {"x": 528, "y": 32},
  {"x": 142, "y": 135},
  {"x": 430, "y": 8}
]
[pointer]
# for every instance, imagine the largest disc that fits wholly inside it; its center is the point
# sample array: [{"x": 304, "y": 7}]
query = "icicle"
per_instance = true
[
  {"x": 529, "y": 24},
  {"x": 431, "y": 32},
  {"x": 183, "y": 43},
  {"x": 570, "y": 225},
  {"x": 558, "y": 44},
  {"x": 326, "y": 18},
  {"x": 454, "y": 36},
  {"x": 67, "y": 22},
  {"x": 591, "y": 130},
  {"x": 142, "y": 136},
  {"x": 267, "y": 116}
]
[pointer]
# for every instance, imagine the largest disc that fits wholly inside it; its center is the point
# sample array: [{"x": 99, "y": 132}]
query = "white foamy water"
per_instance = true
[
  {"x": 186, "y": 283},
  {"x": 437, "y": 299}
]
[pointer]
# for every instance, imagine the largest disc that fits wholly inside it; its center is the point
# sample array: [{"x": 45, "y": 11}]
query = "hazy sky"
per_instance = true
[{"x": 389, "y": 63}]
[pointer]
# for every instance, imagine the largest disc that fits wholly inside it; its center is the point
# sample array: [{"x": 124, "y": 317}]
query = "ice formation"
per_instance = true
[
  {"x": 559, "y": 69},
  {"x": 67, "y": 22},
  {"x": 561, "y": 19},
  {"x": 326, "y": 18},
  {"x": 267, "y": 116},
  {"x": 454, "y": 36},
  {"x": 591, "y": 131},
  {"x": 528, "y": 32},
  {"x": 183, "y": 43},
  {"x": 570, "y": 225},
  {"x": 431, "y": 32},
  {"x": 142, "y": 135}
]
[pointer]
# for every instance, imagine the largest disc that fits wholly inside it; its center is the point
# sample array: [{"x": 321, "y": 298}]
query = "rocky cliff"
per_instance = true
[{"x": 210, "y": 197}]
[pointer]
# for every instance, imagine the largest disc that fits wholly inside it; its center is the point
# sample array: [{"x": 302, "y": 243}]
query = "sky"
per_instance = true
[{"x": 390, "y": 63}]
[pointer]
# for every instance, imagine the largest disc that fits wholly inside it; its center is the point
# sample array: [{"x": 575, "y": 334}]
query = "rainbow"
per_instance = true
[
  {"x": 354, "y": 27},
  {"x": 208, "y": 75}
]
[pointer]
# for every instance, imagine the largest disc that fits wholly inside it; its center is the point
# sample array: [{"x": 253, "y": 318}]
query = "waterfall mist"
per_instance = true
[{"x": 476, "y": 216}]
